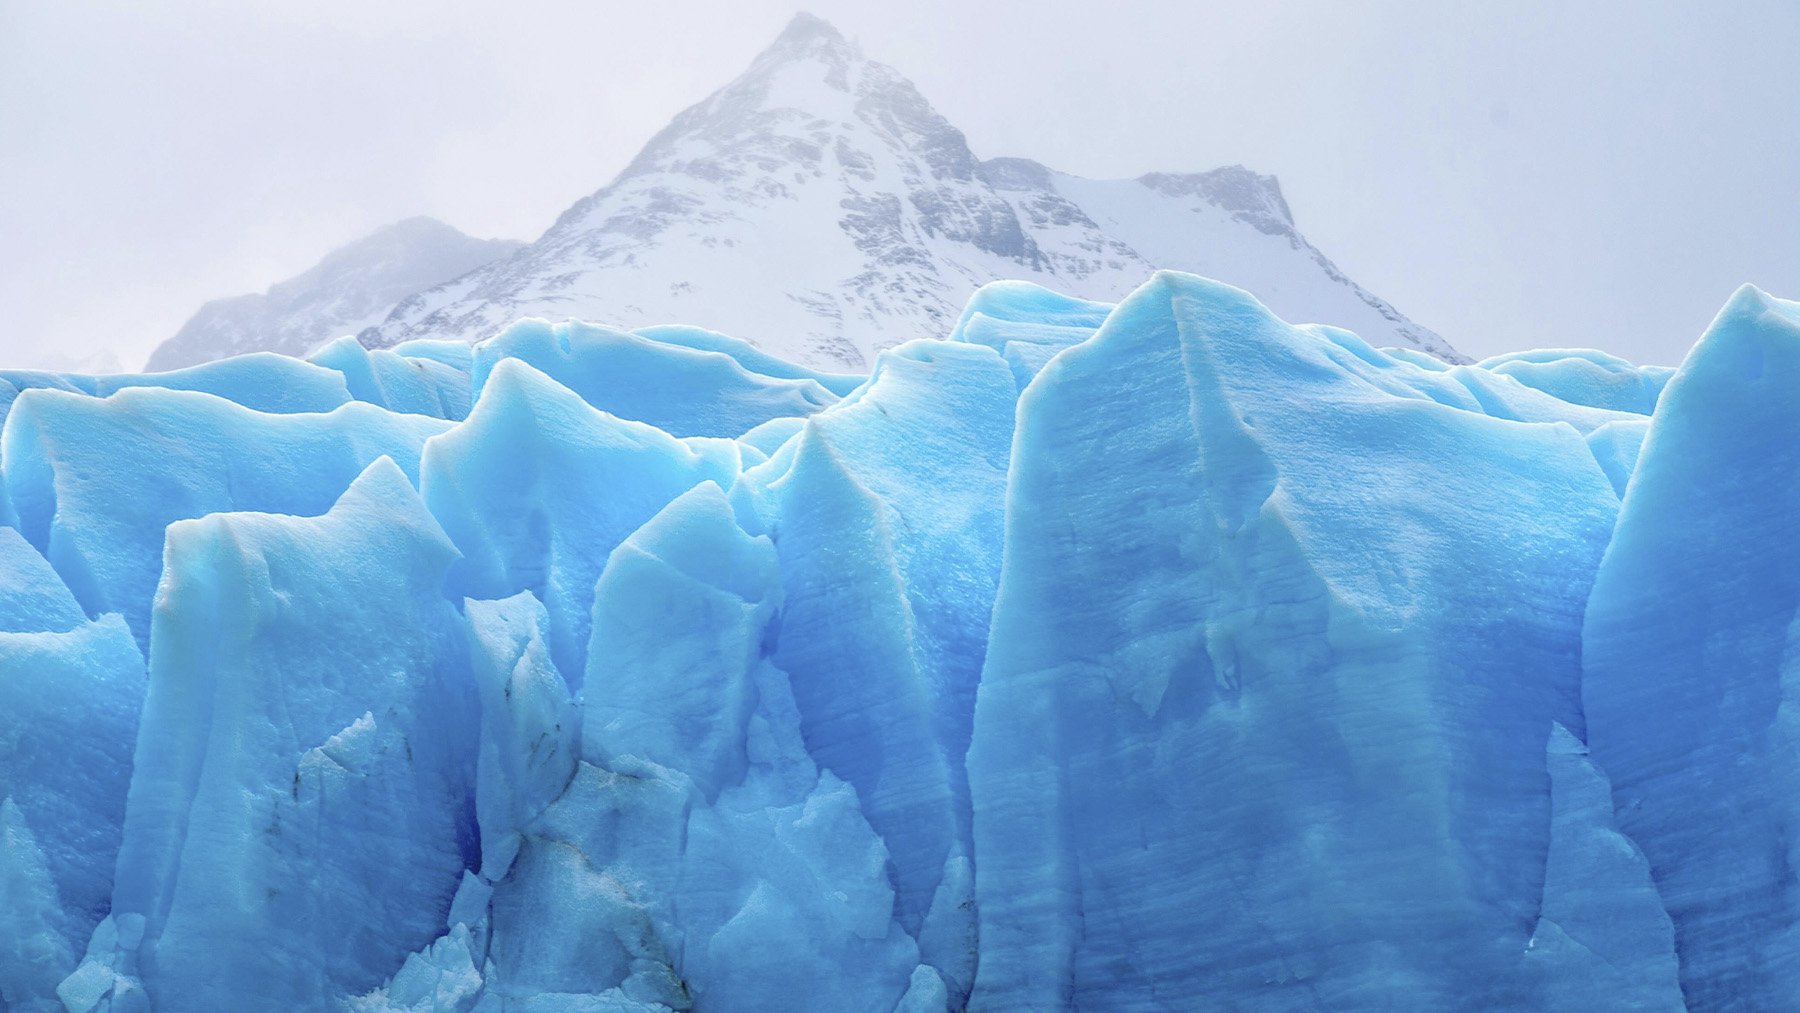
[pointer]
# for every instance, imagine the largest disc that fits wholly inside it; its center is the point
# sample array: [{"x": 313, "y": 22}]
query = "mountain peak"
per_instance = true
[
  {"x": 807, "y": 47},
  {"x": 817, "y": 205},
  {"x": 790, "y": 106},
  {"x": 809, "y": 30}
]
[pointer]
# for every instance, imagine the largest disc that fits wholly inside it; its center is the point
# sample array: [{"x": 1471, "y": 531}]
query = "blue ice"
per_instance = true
[{"x": 1158, "y": 655}]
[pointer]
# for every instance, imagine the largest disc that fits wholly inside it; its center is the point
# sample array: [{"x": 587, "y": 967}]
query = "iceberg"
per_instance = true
[
  {"x": 301, "y": 789},
  {"x": 667, "y": 377},
  {"x": 261, "y": 381},
  {"x": 94, "y": 483},
  {"x": 1027, "y": 324},
  {"x": 71, "y": 690},
  {"x": 1157, "y": 655},
  {"x": 1691, "y": 654},
  {"x": 1586, "y": 376},
  {"x": 416, "y": 378},
  {"x": 537, "y": 487},
  {"x": 1261, "y": 674}
]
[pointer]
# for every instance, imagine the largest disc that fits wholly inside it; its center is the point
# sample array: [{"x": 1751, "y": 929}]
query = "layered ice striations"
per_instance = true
[
  {"x": 1691, "y": 657},
  {"x": 1157, "y": 656},
  {"x": 307, "y": 739},
  {"x": 1245, "y": 664}
]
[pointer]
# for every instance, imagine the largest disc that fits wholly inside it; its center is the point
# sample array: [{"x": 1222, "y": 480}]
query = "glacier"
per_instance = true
[{"x": 1158, "y": 655}]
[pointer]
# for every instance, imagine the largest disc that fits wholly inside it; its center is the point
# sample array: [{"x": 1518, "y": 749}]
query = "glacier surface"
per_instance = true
[{"x": 1153, "y": 656}]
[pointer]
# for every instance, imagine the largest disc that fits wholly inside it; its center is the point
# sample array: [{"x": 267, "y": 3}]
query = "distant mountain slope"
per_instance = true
[
  {"x": 820, "y": 208},
  {"x": 353, "y": 287},
  {"x": 1230, "y": 223}
]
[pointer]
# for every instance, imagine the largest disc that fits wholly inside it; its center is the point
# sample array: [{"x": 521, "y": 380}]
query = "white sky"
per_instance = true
[{"x": 1510, "y": 174}]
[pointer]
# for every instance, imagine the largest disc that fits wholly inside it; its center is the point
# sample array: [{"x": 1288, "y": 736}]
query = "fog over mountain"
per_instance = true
[{"x": 353, "y": 287}]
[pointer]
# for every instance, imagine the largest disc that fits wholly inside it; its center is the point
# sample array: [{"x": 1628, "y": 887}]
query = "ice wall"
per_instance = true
[
  {"x": 1157, "y": 656},
  {"x": 1257, "y": 656},
  {"x": 1691, "y": 659}
]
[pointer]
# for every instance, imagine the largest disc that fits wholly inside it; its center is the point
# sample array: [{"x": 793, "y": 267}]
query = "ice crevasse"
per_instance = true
[{"x": 1153, "y": 656}]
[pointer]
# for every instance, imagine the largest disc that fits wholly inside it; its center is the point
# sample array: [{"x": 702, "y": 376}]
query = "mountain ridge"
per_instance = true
[{"x": 353, "y": 285}]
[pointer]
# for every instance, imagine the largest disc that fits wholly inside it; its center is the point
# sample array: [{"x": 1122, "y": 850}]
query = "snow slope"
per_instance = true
[
  {"x": 354, "y": 286},
  {"x": 1157, "y": 656},
  {"x": 818, "y": 207}
]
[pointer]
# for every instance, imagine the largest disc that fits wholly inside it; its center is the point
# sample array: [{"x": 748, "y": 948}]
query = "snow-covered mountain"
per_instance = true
[
  {"x": 354, "y": 286},
  {"x": 819, "y": 207}
]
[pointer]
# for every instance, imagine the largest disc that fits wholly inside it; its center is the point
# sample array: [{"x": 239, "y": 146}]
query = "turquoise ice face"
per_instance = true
[{"x": 1140, "y": 656}]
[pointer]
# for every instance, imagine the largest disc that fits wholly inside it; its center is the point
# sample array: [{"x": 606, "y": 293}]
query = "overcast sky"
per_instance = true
[{"x": 1510, "y": 174}]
